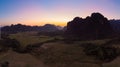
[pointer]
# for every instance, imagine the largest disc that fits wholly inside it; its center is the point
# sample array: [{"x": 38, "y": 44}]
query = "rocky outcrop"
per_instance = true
[{"x": 92, "y": 27}]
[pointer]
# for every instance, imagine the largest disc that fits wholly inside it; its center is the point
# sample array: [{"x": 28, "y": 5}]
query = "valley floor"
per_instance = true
[{"x": 20, "y": 60}]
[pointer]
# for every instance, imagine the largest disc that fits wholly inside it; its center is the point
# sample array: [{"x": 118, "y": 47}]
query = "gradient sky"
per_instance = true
[{"x": 58, "y": 12}]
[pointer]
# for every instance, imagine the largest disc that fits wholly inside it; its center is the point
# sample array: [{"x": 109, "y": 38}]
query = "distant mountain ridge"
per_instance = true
[
  {"x": 115, "y": 25},
  {"x": 23, "y": 28}
]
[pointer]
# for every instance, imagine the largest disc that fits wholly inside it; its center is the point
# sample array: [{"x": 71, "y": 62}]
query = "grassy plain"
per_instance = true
[
  {"x": 54, "y": 54},
  {"x": 27, "y": 38}
]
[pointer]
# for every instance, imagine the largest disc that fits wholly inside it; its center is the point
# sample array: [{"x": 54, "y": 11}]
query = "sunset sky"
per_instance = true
[{"x": 58, "y": 12}]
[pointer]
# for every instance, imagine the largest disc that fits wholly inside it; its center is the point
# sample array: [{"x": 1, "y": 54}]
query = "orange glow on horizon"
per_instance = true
[{"x": 43, "y": 23}]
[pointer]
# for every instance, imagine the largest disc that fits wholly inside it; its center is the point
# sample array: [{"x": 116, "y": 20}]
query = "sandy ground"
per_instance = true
[
  {"x": 114, "y": 63},
  {"x": 21, "y": 60}
]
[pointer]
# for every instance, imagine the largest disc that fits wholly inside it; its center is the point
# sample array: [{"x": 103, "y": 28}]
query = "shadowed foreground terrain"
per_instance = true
[
  {"x": 58, "y": 53},
  {"x": 21, "y": 60}
]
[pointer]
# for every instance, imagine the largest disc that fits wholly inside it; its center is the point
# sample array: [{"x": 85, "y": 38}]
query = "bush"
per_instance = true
[{"x": 102, "y": 53}]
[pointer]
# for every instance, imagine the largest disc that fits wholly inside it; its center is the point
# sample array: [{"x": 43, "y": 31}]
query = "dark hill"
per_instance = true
[
  {"x": 95, "y": 26},
  {"x": 49, "y": 28}
]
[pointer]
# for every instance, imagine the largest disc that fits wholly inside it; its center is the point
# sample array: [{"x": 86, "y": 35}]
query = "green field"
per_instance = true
[{"x": 28, "y": 38}]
